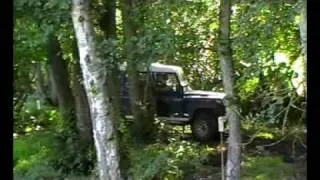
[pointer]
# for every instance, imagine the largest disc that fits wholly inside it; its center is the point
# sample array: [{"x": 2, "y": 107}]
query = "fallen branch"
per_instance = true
[
  {"x": 280, "y": 140},
  {"x": 287, "y": 112},
  {"x": 301, "y": 142},
  {"x": 279, "y": 113},
  {"x": 294, "y": 106},
  {"x": 251, "y": 139},
  {"x": 261, "y": 147}
]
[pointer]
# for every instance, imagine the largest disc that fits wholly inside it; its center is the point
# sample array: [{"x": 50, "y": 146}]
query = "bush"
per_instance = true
[{"x": 72, "y": 157}]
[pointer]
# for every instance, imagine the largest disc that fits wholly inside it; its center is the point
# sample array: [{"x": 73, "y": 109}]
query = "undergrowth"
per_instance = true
[
  {"x": 265, "y": 168},
  {"x": 44, "y": 146},
  {"x": 175, "y": 160},
  {"x": 35, "y": 154}
]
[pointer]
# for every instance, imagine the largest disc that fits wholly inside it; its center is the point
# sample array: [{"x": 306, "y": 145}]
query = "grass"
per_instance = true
[
  {"x": 26, "y": 146},
  {"x": 32, "y": 154}
]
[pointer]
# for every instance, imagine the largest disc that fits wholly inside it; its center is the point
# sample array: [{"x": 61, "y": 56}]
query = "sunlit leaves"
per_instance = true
[
  {"x": 181, "y": 36},
  {"x": 28, "y": 50},
  {"x": 109, "y": 50},
  {"x": 261, "y": 29},
  {"x": 175, "y": 32},
  {"x": 44, "y": 11}
]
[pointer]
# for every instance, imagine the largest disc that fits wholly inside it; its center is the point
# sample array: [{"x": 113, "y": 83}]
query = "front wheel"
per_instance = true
[{"x": 204, "y": 126}]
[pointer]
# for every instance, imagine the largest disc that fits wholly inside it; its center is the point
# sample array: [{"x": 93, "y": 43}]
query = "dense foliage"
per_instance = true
[{"x": 269, "y": 68}]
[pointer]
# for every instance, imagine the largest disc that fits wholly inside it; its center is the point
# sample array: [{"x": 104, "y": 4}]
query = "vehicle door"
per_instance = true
[{"x": 169, "y": 95}]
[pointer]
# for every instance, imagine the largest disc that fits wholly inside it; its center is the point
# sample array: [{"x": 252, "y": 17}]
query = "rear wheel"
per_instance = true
[{"x": 205, "y": 126}]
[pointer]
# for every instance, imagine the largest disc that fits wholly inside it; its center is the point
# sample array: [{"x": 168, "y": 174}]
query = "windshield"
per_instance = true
[
  {"x": 181, "y": 78},
  {"x": 183, "y": 81}
]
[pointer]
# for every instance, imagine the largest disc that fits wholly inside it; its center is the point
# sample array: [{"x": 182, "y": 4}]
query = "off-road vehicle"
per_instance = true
[{"x": 176, "y": 102}]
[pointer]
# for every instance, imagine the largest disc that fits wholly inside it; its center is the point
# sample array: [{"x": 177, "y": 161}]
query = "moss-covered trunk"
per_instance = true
[{"x": 108, "y": 25}]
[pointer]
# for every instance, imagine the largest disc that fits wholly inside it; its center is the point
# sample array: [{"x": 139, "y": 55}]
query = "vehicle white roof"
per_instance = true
[{"x": 157, "y": 67}]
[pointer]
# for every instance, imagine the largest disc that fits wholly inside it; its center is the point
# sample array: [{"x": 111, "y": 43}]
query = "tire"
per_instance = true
[{"x": 205, "y": 126}]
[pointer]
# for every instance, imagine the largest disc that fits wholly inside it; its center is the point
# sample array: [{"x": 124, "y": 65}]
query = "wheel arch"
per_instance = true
[{"x": 202, "y": 110}]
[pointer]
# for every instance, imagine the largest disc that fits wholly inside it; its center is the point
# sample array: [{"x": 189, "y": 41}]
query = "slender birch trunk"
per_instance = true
[
  {"x": 95, "y": 80},
  {"x": 226, "y": 64}
]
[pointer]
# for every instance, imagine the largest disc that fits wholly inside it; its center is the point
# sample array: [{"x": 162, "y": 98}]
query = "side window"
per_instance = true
[
  {"x": 172, "y": 80},
  {"x": 166, "y": 82}
]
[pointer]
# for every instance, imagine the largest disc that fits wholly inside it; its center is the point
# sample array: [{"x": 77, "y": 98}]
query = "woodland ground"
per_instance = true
[{"x": 268, "y": 155}]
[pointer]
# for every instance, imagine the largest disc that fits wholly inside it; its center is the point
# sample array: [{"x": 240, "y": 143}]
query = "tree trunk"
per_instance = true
[
  {"x": 108, "y": 20},
  {"x": 108, "y": 25},
  {"x": 94, "y": 76},
  {"x": 303, "y": 39},
  {"x": 232, "y": 109},
  {"x": 142, "y": 126},
  {"x": 59, "y": 74},
  {"x": 130, "y": 29},
  {"x": 40, "y": 82},
  {"x": 52, "y": 92},
  {"x": 81, "y": 101},
  {"x": 303, "y": 28}
]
